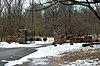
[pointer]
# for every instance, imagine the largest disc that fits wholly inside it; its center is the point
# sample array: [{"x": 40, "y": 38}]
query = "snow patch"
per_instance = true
[
  {"x": 51, "y": 51},
  {"x": 40, "y": 62},
  {"x": 4, "y": 61},
  {"x": 33, "y": 44},
  {"x": 16, "y": 45},
  {"x": 86, "y": 62}
]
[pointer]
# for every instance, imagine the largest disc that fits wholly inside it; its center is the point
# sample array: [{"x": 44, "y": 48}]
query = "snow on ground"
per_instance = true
[
  {"x": 16, "y": 45},
  {"x": 40, "y": 62},
  {"x": 87, "y": 62},
  {"x": 49, "y": 41},
  {"x": 33, "y": 44},
  {"x": 50, "y": 51}
]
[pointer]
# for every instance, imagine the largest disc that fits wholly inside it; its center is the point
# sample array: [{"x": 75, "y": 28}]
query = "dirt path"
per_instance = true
[{"x": 77, "y": 55}]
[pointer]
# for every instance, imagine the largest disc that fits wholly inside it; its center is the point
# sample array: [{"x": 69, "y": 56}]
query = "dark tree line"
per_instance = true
[{"x": 73, "y": 17}]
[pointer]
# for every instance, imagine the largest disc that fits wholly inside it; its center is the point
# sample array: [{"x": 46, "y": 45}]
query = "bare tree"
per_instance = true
[
  {"x": 13, "y": 11},
  {"x": 74, "y": 2}
]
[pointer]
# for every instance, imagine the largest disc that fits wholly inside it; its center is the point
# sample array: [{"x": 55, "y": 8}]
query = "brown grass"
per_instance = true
[{"x": 77, "y": 55}]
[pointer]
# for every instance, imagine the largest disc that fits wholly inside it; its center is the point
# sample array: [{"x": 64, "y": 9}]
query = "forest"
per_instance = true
[{"x": 42, "y": 18}]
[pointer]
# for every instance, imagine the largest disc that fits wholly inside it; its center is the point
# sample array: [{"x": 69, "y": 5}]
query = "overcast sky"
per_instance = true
[{"x": 28, "y": 1}]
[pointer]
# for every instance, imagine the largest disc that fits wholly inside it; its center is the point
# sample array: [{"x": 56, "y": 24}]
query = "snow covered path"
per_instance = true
[{"x": 50, "y": 51}]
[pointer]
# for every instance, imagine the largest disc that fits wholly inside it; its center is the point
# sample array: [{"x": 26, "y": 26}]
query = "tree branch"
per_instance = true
[
  {"x": 84, "y": 4},
  {"x": 71, "y": 2},
  {"x": 46, "y": 7}
]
